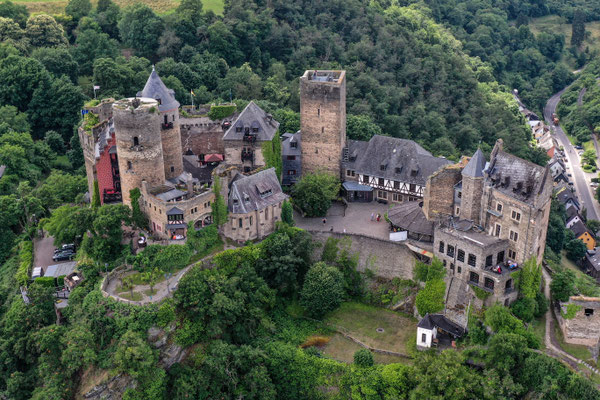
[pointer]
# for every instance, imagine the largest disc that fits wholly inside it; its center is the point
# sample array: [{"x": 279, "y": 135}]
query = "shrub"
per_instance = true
[
  {"x": 25, "y": 262},
  {"x": 46, "y": 281},
  {"x": 323, "y": 289},
  {"x": 220, "y": 112},
  {"x": 165, "y": 314},
  {"x": 524, "y": 309},
  {"x": 541, "y": 306},
  {"x": 313, "y": 193},
  {"x": 363, "y": 358}
]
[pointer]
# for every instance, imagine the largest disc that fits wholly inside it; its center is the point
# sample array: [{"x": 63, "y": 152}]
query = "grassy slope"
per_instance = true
[
  {"x": 556, "y": 24},
  {"x": 160, "y": 6}
]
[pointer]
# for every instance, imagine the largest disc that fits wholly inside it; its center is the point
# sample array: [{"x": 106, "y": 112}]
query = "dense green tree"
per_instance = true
[
  {"x": 323, "y": 290},
  {"x": 57, "y": 61},
  {"x": 575, "y": 249},
  {"x": 78, "y": 9},
  {"x": 68, "y": 224},
  {"x": 314, "y": 192},
  {"x": 55, "y": 141},
  {"x": 107, "y": 233},
  {"x": 13, "y": 120},
  {"x": 20, "y": 78},
  {"x": 107, "y": 15},
  {"x": 43, "y": 31},
  {"x": 563, "y": 285},
  {"x": 90, "y": 45},
  {"x": 133, "y": 355},
  {"x": 16, "y": 12},
  {"x": 361, "y": 127},
  {"x": 578, "y": 28},
  {"x": 287, "y": 213},
  {"x": 363, "y": 358},
  {"x": 140, "y": 28}
]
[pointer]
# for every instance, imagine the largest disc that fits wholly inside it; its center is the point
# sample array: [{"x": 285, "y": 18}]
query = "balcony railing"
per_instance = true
[{"x": 168, "y": 125}]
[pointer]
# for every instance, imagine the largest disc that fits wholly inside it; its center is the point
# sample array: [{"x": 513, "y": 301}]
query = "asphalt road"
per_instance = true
[{"x": 583, "y": 190}]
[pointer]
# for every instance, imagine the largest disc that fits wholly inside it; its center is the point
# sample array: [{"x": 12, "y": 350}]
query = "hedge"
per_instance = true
[
  {"x": 25, "y": 262},
  {"x": 220, "y": 112},
  {"x": 47, "y": 281}
]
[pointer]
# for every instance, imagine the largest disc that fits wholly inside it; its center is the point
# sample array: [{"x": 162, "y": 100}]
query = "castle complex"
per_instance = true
[{"x": 482, "y": 219}]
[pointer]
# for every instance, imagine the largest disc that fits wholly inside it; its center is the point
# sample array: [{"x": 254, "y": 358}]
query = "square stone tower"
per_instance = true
[{"x": 323, "y": 120}]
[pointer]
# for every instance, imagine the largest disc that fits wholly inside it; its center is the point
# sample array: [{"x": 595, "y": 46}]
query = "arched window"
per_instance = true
[{"x": 136, "y": 141}]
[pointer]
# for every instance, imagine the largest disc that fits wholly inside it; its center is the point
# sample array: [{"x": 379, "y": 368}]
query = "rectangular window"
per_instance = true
[
  {"x": 460, "y": 256},
  {"x": 382, "y": 194},
  {"x": 500, "y": 257},
  {"x": 396, "y": 185},
  {"x": 512, "y": 254},
  {"x": 498, "y": 230},
  {"x": 473, "y": 277},
  {"x": 489, "y": 261},
  {"x": 291, "y": 158},
  {"x": 413, "y": 187},
  {"x": 381, "y": 181},
  {"x": 240, "y": 222},
  {"x": 499, "y": 207},
  {"x": 347, "y": 172},
  {"x": 365, "y": 178},
  {"x": 267, "y": 213},
  {"x": 457, "y": 210},
  {"x": 514, "y": 236},
  {"x": 516, "y": 216},
  {"x": 589, "y": 312},
  {"x": 450, "y": 251},
  {"x": 442, "y": 247},
  {"x": 250, "y": 220},
  {"x": 424, "y": 338},
  {"x": 472, "y": 260}
]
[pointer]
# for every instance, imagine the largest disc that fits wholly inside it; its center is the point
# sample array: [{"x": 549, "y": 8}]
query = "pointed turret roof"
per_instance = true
[
  {"x": 156, "y": 89},
  {"x": 476, "y": 165}
]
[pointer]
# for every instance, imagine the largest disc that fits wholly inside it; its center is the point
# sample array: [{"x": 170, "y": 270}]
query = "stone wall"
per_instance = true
[
  {"x": 582, "y": 329},
  {"x": 233, "y": 154},
  {"x": 171, "y": 144},
  {"x": 439, "y": 191},
  {"x": 385, "y": 258},
  {"x": 472, "y": 192},
  {"x": 254, "y": 225},
  {"x": 323, "y": 123}
]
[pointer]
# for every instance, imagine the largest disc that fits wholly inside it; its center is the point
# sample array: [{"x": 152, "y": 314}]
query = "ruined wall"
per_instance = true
[
  {"x": 439, "y": 191},
  {"x": 582, "y": 329},
  {"x": 323, "y": 123},
  {"x": 143, "y": 161},
  {"x": 386, "y": 259},
  {"x": 202, "y": 135}
]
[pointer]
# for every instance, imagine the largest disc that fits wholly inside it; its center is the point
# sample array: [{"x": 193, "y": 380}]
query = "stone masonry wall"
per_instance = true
[
  {"x": 202, "y": 135},
  {"x": 323, "y": 124},
  {"x": 472, "y": 191},
  {"x": 233, "y": 154},
  {"x": 261, "y": 225},
  {"x": 147, "y": 158},
  {"x": 171, "y": 144},
  {"x": 386, "y": 259},
  {"x": 582, "y": 329},
  {"x": 439, "y": 191}
]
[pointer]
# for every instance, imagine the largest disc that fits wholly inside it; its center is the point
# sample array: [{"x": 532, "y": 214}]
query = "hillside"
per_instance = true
[
  {"x": 160, "y": 6},
  {"x": 557, "y": 24}
]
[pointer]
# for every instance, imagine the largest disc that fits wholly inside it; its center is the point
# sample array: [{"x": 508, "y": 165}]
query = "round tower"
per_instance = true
[{"x": 137, "y": 123}]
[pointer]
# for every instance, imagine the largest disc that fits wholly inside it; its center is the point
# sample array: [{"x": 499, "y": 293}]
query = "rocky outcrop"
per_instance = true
[{"x": 112, "y": 389}]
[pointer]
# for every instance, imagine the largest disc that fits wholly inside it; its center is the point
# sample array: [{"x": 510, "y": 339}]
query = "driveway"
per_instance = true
[
  {"x": 357, "y": 219},
  {"x": 581, "y": 180},
  {"x": 43, "y": 251}
]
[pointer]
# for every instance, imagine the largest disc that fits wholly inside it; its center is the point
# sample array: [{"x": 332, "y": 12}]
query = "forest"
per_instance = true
[{"x": 438, "y": 72}]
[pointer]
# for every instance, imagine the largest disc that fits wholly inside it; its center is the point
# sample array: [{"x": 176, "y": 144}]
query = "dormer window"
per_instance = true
[
  {"x": 293, "y": 145},
  {"x": 414, "y": 172},
  {"x": 238, "y": 129},
  {"x": 398, "y": 170},
  {"x": 266, "y": 193},
  {"x": 255, "y": 130},
  {"x": 383, "y": 167},
  {"x": 247, "y": 130},
  {"x": 247, "y": 199},
  {"x": 235, "y": 202}
]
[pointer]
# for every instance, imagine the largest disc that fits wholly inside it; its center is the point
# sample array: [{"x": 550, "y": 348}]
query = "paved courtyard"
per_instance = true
[{"x": 357, "y": 219}]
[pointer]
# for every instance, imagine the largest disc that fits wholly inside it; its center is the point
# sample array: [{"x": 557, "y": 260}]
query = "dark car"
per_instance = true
[
  {"x": 65, "y": 247},
  {"x": 63, "y": 255}
]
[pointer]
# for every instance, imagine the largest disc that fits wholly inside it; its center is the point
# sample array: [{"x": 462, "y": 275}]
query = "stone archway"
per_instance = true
[{"x": 203, "y": 221}]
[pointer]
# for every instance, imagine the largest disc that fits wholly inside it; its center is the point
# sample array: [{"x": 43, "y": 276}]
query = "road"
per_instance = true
[{"x": 582, "y": 185}]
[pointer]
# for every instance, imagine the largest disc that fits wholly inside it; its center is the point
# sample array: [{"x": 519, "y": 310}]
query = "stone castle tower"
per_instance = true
[
  {"x": 170, "y": 131},
  {"x": 323, "y": 120},
  {"x": 472, "y": 188},
  {"x": 137, "y": 123}
]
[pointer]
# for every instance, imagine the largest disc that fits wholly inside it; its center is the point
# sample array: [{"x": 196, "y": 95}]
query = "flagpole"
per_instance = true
[{"x": 192, "y": 97}]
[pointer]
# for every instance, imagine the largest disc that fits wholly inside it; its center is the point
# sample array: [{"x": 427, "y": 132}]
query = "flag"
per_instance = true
[
  {"x": 192, "y": 92},
  {"x": 96, "y": 87}
]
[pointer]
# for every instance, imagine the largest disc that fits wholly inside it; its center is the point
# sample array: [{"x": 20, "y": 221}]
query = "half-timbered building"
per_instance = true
[{"x": 396, "y": 169}]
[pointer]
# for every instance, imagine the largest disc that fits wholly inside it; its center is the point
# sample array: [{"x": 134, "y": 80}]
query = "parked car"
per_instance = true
[
  {"x": 64, "y": 255},
  {"x": 594, "y": 184},
  {"x": 65, "y": 247},
  {"x": 578, "y": 147},
  {"x": 569, "y": 175}
]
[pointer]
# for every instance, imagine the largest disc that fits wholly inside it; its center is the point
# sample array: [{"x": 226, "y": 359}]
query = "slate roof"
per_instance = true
[
  {"x": 571, "y": 213},
  {"x": 409, "y": 216},
  {"x": 245, "y": 192},
  {"x": 156, "y": 89},
  {"x": 432, "y": 321},
  {"x": 593, "y": 258},
  {"x": 174, "y": 211},
  {"x": 579, "y": 228},
  {"x": 517, "y": 178},
  {"x": 253, "y": 117},
  {"x": 286, "y": 148},
  {"x": 356, "y": 187},
  {"x": 203, "y": 173},
  {"x": 476, "y": 165},
  {"x": 564, "y": 195},
  {"x": 403, "y": 160},
  {"x": 60, "y": 269},
  {"x": 170, "y": 195}
]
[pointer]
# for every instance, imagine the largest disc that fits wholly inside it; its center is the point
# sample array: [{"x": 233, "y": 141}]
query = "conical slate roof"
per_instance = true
[
  {"x": 156, "y": 89},
  {"x": 475, "y": 166}
]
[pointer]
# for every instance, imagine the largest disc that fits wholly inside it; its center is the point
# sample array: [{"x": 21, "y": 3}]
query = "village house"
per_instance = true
[
  {"x": 582, "y": 233},
  {"x": 435, "y": 330},
  {"x": 591, "y": 263},
  {"x": 291, "y": 154}
]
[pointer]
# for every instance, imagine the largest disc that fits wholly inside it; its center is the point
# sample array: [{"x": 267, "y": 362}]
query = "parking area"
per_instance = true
[
  {"x": 43, "y": 251},
  {"x": 355, "y": 219}
]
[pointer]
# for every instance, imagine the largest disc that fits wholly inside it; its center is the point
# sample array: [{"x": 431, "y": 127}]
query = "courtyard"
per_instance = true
[{"x": 356, "y": 219}]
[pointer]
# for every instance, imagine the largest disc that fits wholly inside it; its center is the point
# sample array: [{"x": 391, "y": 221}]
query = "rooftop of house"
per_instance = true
[
  {"x": 291, "y": 144},
  {"x": 466, "y": 231},
  {"x": 156, "y": 89},
  {"x": 433, "y": 321},
  {"x": 579, "y": 228},
  {"x": 516, "y": 177},
  {"x": 254, "y": 192},
  {"x": 253, "y": 121},
  {"x": 392, "y": 158},
  {"x": 332, "y": 76},
  {"x": 475, "y": 166},
  {"x": 571, "y": 213},
  {"x": 593, "y": 258},
  {"x": 409, "y": 216}
]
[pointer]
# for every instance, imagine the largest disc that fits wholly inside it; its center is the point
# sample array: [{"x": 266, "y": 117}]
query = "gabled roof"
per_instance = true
[
  {"x": 516, "y": 177},
  {"x": 564, "y": 195},
  {"x": 432, "y": 321},
  {"x": 392, "y": 158},
  {"x": 254, "y": 192},
  {"x": 409, "y": 216},
  {"x": 286, "y": 140},
  {"x": 170, "y": 195},
  {"x": 579, "y": 228},
  {"x": 174, "y": 211},
  {"x": 253, "y": 117},
  {"x": 156, "y": 89},
  {"x": 475, "y": 166}
]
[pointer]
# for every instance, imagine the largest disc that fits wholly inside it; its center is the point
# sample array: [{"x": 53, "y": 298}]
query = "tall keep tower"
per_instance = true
[
  {"x": 472, "y": 188},
  {"x": 139, "y": 145},
  {"x": 170, "y": 131},
  {"x": 323, "y": 120}
]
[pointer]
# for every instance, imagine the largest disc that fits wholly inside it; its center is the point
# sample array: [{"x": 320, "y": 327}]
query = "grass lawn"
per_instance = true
[
  {"x": 136, "y": 296},
  {"x": 576, "y": 350},
  {"x": 342, "y": 349},
  {"x": 150, "y": 292},
  {"x": 565, "y": 262},
  {"x": 361, "y": 321},
  {"x": 159, "y": 6},
  {"x": 539, "y": 329},
  {"x": 556, "y": 24}
]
